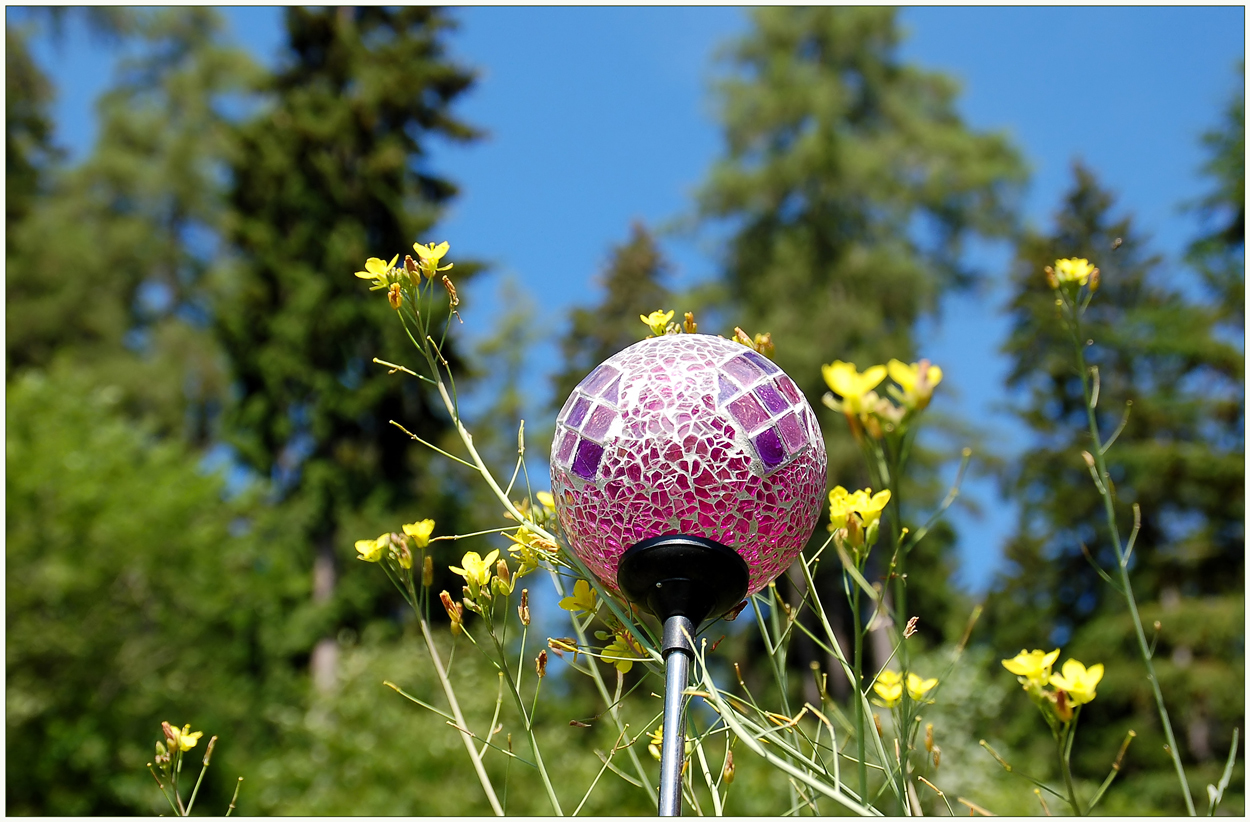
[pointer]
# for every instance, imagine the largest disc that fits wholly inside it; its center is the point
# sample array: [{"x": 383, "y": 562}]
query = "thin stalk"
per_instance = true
[
  {"x": 613, "y": 707},
  {"x": 466, "y": 737},
  {"x": 857, "y": 661},
  {"x": 527, "y": 718},
  {"x": 1142, "y": 644},
  {"x": 1066, "y": 766},
  {"x": 234, "y": 798}
]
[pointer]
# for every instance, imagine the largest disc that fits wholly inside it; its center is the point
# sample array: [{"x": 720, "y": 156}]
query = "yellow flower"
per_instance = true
[
  {"x": 917, "y": 380},
  {"x": 370, "y": 550},
  {"x": 839, "y": 508},
  {"x": 854, "y": 388},
  {"x": 622, "y": 652},
  {"x": 918, "y": 687},
  {"x": 583, "y": 598},
  {"x": 657, "y": 743},
  {"x": 1033, "y": 667},
  {"x": 377, "y": 269},
  {"x": 869, "y": 507},
  {"x": 889, "y": 686},
  {"x": 546, "y": 500},
  {"x": 1073, "y": 270},
  {"x": 430, "y": 255},
  {"x": 1078, "y": 681},
  {"x": 476, "y": 571},
  {"x": 185, "y": 739},
  {"x": 420, "y": 532},
  {"x": 529, "y": 549},
  {"x": 657, "y": 321}
]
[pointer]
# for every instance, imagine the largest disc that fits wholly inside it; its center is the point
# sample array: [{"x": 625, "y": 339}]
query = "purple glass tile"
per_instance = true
[
  {"x": 773, "y": 401},
  {"x": 725, "y": 389},
  {"x": 566, "y": 447},
  {"x": 743, "y": 370},
  {"x": 792, "y": 433},
  {"x": 768, "y": 446},
  {"x": 598, "y": 379},
  {"x": 762, "y": 362},
  {"x": 600, "y": 419},
  {"x": 586, "y": 463},
  {"x": 748, "y": 413},
  {"x": 611, "y": 393},
  {"x": 788, "y": 388},
  {"x": 577, "y": 413}
]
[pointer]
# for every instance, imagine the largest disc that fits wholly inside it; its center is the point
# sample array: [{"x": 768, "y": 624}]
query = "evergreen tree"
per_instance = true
[
  {"x": 332, "y": 171},
  {"x": 850, "y": 185},
  {"x": 633, "y": 283},
  {"x": 131, "y": 231},
  {"x": 1180, "y": 458}
]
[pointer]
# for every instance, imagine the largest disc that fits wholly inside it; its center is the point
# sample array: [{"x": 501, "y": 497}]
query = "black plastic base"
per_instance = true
[{"x": 678, "y": 575}]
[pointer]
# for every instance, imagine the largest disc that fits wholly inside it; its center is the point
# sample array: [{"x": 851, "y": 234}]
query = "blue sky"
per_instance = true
[{"x": 601, "y": 116}]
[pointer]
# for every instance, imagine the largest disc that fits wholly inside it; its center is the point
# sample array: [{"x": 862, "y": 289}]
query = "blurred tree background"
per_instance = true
[{"x": 196, "y": 432}]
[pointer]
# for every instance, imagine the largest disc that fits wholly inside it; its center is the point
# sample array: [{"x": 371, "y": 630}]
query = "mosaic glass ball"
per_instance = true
[{"x": 688, "y": 434}]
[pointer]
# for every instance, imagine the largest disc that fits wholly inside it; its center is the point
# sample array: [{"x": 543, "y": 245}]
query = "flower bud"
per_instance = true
[
  {"x": 523, "y": 610},
  {"x": 928, "y": 737},
  {"x": 690, "y": 326},
  {"x": 876, "y": 720},
  {"x": 1063, "y": 706},
  {"x": 728, "y": 773},
  {"x": 410, "y": 265},
  {"x": 451, "y": 290},
  {"x": 937, "y": 757},
  {"x": 160, "y": 749},
  {"x": 540, "y": 664},
  {"x": 402, "y": 555},
  {"x": 394, "y": 296},
  {"x": 427, "y": 572},
  {"x": 454, "y": 611}
]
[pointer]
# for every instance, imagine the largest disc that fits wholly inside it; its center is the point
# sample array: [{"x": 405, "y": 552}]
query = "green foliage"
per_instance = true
[
  {"x": 128, "y": 224},
  {"x": 115, "y": 622},
  {"x": 1180, "y": 458},
  {"x": 328, "y": 172}
]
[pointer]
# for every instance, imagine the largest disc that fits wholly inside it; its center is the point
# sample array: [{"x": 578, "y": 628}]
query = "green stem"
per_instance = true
[
  {"x": 1066, "y": 767},
  {"x": 1142, "y": 644},
  {"x": 527, "y": 718},
  {"x": 460, "y": 723},
  {"x": 857, "y": 660}
]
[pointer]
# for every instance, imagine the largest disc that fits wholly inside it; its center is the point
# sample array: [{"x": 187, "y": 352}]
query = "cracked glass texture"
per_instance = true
[{"x": 688, "y": 434}]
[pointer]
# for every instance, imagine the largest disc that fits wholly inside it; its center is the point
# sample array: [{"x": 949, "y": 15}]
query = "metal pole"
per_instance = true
[{"x": 677, "y": 655}]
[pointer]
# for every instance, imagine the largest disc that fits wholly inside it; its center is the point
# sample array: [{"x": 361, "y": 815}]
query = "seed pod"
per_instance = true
[
  {"x": 728, "y": 773},
  {"x": 928, "y": 737},
  {"x": 427, "y": 572}
]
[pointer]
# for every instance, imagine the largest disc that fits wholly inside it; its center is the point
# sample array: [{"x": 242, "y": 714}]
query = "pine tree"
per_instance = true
[
  {"x": 1180, "y": 458},
  {"x": 130, "y": 231},
  {"x": 850, "y": 185},
  {"x": 330, "y": 172}
]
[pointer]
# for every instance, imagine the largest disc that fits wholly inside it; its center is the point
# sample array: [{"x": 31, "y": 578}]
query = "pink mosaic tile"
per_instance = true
[{"x": 674, "y": 446}]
